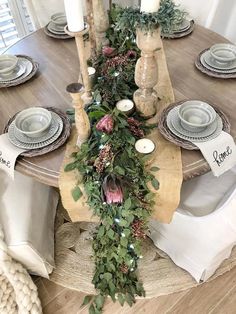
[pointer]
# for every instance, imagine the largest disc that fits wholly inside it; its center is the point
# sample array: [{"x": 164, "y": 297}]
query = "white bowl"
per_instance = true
[
  {"x": 196, "y": 115},
  {"x": 223, "y": 53},
  {"x": 59, "y": 19},
  {"x": 7, "y": 64},
  {"x": 33, "y": 121}
]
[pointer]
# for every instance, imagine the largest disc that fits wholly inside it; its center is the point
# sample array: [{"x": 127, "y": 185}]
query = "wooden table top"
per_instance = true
[{"x": 59, "y": 67}]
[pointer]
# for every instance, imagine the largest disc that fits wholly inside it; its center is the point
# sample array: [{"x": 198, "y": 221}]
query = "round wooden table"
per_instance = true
[{"x": 59, "y": 66}]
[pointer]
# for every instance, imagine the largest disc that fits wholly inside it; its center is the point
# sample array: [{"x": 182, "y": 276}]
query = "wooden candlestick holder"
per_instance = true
[
  {"x": 76, "y": 91},
  {"x": 87, "y": 96},
  {"x": 90, "y": 21},
  {"x": 101, "y": 24},
  {"x": 146, "y": 72}
]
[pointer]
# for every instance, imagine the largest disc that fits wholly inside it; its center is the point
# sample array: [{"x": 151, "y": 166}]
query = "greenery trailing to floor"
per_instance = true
[
  {"x": 114, "y": 175},
  {"x": 116, "y": 183}
]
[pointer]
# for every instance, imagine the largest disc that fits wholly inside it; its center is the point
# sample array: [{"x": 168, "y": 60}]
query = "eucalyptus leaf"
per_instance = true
[
  {"x": 128, "y": 203},
  {"x": 70, "y": 167},
  {"x": 154, "y": 169},
  {"x": 121, "y": 299},
  {"x": 76, "y": 193},
  {"x": 99, "y": 301},
  {"x": 107, "y": 276},
  {"x": 92, "y": 309},
  {"x": 87, "y": 300},
  {"x": 155, "y": 183}
]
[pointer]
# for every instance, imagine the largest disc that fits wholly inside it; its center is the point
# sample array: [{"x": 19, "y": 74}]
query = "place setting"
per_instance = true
[
  {"x": 182, "y": 29},
  {"x": 204, "y": 122},
  {"x": 55, "y": 28},
  {"x": 33, "y": 132},
  {"x": 16, "y": 69},
  {"x": 197, "y": 125},
  {"x": 218, "y": 61}
]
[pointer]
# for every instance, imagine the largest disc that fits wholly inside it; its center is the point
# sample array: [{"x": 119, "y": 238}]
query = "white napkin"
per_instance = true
[
  {"x": 8, "y": 155},
  {"x": 220, "y": 153}
]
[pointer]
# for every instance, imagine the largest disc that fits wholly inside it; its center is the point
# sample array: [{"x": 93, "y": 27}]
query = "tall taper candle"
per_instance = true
[
  {"x": 74, "y": 15},
  {"x": 150, "y": 6}
]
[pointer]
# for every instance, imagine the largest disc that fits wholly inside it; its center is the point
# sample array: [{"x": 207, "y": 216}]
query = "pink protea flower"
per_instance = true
[
  {"x": 112, "y": 190},
  {"x": 106, "y": 124},
  {"x": 108, "y": 51}
]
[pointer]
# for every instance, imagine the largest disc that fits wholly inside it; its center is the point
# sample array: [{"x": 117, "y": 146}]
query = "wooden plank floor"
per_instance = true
[{"x": 216, "y": 297}]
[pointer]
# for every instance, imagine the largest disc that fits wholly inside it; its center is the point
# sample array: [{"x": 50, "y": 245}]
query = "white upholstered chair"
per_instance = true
[
  {"x": 27, "y": 213},
  {"x": 203, "y": 231}
]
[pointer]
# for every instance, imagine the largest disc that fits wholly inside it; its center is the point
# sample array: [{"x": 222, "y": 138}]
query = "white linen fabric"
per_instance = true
[
  {"x": 8, "y": 155},
  {"x": 203, "y": 231},
  {"x": 27, "y": 213}
]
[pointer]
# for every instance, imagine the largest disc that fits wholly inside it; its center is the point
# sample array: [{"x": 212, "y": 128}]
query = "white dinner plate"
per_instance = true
[
  {"x": 56, "y": 121},
  {"x": 173, "y": 123},
  {"x": 18, "y": 71},
  {"x": 206, "y": 65},
  {"x": 28, "y": 66},
  {"x": 182, "y": 27},
  {"x": 55, "y": 30},
  {"x": 211, "y": 62},
  {"x": 32, "y": 145}
]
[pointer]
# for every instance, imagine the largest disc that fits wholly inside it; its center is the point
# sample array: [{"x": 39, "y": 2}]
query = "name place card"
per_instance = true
[
  {"x": 220, "y": 153},
  {"x": 8, "y": 155}
]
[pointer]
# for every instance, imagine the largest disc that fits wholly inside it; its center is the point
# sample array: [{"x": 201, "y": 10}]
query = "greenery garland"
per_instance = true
[
  {"x": 168, "y": 17},
  {"x": 114, "y": 175}
]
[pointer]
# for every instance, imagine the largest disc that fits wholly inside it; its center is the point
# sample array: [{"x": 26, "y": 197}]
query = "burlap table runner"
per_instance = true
[{"x": 167, "y": 158}]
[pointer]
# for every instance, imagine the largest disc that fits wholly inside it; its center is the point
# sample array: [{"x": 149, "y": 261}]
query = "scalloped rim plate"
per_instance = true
[
  {"x": 210, "y": 61},
  {"x": 31, "y": 145},
  {"x": 56, "y": 121},
  {"x": 173, "y": 123}
]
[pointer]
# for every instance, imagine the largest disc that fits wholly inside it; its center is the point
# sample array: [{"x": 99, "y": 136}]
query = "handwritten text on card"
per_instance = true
[{"x": 219, "y": 158}]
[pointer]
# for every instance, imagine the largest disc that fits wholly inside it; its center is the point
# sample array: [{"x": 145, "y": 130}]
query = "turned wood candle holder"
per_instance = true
[
  {"x": 146, "y": 72},
  {"x": 90, "y": 21},
  {"x": 87, "y": 96},
  {"x": 76, "y": 91},
  {"x": 101, "y": 24}
]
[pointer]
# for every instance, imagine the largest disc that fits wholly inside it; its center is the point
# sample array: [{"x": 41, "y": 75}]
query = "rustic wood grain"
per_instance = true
[
  {"x": 215, "y": 297},
  {"x": 59, "y": 67}
]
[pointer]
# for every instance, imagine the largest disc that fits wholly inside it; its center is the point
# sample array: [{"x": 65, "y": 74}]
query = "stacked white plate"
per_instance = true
[
  {"x": 175, "y": 126},
  {"x": 23, "y": 69},
  {"x": 182, "y": 27},
  {"x": 211, "y": 63},
  {"x": 179, "y": 29},
  {"x": 46, "y": 138},
  {"x": 57, "y": 24}
]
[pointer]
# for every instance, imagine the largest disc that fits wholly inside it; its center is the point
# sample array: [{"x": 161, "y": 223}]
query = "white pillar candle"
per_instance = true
[
  {"x": 92, "y": 76},
  {"x": 150, "y": 6},
  {"x": 125, "y": 105},
  {"x": 74, "y": 15},
  {"x": 144, "y": 146}
]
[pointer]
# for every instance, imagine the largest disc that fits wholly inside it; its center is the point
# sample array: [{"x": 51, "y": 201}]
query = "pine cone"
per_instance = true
[
  {"x": 124, "y": 268},
  {"x": 138, "y": 229}
]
